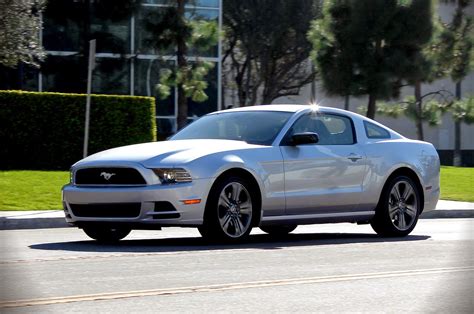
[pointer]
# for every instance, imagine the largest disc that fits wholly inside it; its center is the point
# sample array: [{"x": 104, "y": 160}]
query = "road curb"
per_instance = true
[
  {"x": 32, "y": 223},
  {"x": 451, "y": 213},
  {"x": 18, "y": 222}
]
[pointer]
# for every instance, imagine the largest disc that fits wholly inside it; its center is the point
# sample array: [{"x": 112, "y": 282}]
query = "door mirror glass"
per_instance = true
[{"x": 304, "y": 138}]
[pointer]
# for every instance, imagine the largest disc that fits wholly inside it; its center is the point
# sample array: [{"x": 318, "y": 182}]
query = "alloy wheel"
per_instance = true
[
  {"x": 403, "y": 205},
  {"x": 234, "y": 209}
]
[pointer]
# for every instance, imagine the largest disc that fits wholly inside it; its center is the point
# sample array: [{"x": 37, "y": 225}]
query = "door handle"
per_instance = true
[{"x": 354, "y": 157}]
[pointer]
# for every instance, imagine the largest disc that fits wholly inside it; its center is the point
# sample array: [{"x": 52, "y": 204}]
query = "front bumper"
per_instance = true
[
  {"x": 431, "y": 199},
  {"x": 147, "y": 196}
]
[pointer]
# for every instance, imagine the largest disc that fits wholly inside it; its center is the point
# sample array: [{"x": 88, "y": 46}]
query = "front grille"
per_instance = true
[
  {"x": 113, "y": 210},
  {"x": 106, "y": 176}
]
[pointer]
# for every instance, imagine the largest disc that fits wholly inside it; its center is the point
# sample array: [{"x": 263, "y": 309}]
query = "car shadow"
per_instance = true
[{"x": 189, "y": 244}]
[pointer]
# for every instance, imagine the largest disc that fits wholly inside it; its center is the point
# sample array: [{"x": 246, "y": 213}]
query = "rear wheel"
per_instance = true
[
  {"x": 278, "y": 230},
  {"x": 229, "y": 211},
  {"x": 107, "y": 234},
  {"x": 399, "y": 207}
]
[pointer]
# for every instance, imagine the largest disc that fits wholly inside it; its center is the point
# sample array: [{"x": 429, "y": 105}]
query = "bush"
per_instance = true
[{"x": 46, "y": 130}]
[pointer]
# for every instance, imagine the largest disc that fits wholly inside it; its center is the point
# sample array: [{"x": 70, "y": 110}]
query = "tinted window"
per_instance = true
[
  {"x": 255, "y": 127},
  {"x": 374, "y": 131},
  {"x": 332, "y": 129}
]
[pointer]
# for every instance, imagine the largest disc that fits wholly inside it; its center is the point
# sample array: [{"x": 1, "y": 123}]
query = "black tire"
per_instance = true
[
  {"x": 106, "y": 234},
  {"x": 229, "y": 218},
  {"x": 278, "y": 231},
  {"x": 399, "y": 207}
]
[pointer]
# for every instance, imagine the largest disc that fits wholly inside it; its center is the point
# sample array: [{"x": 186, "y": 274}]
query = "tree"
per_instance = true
[
  {"x": 455, "y": 56},
  {"x": 427, "y": 108},
  {"x": 170, "y": 27},
  {"x": 463, "y": 110},
  {"x": 267, "y": 48},
  {"x": 369, "y": 47},
  {"x": 20, "y": 23}
]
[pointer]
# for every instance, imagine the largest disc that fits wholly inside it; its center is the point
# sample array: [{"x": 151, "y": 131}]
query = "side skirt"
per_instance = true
[{"x": 308, "y": 219}]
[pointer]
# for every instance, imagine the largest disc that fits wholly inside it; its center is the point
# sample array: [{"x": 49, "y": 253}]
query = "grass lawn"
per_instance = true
[
  {"x": 27, "y": 190},
  {"x": 457, "y": 184},
  {"x": 34, "y": 190}
]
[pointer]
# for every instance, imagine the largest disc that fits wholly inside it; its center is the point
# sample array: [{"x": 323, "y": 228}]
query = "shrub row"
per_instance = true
[{"x": 46, "y": 130}]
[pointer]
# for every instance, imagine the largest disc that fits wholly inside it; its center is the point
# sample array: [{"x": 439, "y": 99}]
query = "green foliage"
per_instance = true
[
  {"x": 369, "y": 47},
  {"x": 192, "y": 78},
  {"x": 204, "y": 34},
  {"x": 456, "y": 183},
  {"x": 389, "y": 110},
  {"x": 453, "y": 47},
  {"x": 31, "y": 190},
  {"x": 431, "y": 113},
  {"x": 20, "y": 23},
  {"x": 463, "y": 110},
  {"x": 46, "y": 130}
]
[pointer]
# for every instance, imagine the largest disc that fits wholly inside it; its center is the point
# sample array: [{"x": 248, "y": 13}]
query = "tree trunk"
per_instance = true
[
  {"x": 371, "y": 106},
  {"x": 419, "y": 111},
  {"x": 181, "y": 51},
  {"x": 457, "y": 158},
  {"x": 313, "y": 90},
  {"x": 346, "y": 102}
]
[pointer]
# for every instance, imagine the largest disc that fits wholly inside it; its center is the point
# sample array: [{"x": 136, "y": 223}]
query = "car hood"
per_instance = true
[{"x": 168, "y": 153}]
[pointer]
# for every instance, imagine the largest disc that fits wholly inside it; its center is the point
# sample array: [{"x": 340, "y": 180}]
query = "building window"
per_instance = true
[
  {"x": 24, "y": 77},
  {"x": 64, "y": 74},
  {"x": 111, "y": 76},
  {"x": 112, "y": 33},
  {"x": 147, "y": 76}
]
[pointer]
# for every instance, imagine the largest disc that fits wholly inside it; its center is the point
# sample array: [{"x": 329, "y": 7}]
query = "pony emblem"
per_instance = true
[{"x": 107, "y": 175}]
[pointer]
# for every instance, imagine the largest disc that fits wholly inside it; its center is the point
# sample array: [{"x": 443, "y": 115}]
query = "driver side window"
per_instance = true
[{"x": 332, "y": 129}]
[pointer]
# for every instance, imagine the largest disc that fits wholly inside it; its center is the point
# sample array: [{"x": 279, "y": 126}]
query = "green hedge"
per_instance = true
[{"x": 46, "y": 130}]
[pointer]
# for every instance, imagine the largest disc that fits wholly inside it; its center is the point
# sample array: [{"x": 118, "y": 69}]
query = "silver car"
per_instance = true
[{"x": 274, "y": 167}]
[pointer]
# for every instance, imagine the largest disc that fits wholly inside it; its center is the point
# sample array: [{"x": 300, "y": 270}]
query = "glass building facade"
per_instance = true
[{"x": 126, "y": 62}]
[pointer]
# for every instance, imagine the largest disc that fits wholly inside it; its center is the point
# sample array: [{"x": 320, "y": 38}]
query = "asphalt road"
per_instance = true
[{"x": 319, "y": 268}]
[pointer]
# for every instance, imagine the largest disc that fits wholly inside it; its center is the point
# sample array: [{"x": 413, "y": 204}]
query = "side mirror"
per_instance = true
[{"x": 304, "y": 138}]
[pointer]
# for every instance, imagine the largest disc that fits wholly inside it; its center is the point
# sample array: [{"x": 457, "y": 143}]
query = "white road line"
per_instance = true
[{"x": 229, "y": 286}]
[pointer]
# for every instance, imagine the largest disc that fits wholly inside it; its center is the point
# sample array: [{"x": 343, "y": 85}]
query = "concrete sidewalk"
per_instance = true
[{"x": 37, "y": 219}]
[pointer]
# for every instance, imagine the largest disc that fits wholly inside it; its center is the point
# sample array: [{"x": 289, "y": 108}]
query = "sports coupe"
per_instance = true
[{"x": 274, "y": 167}]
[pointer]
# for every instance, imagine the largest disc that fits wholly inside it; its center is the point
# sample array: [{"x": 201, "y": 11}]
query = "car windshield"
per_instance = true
[{"x": 253, "y": 127}]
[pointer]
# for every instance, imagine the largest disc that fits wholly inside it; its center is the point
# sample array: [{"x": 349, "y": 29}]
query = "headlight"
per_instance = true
[{"x": 172, "y": 175}]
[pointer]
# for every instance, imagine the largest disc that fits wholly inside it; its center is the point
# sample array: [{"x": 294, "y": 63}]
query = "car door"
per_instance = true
[{"x": 326, "y": 177}]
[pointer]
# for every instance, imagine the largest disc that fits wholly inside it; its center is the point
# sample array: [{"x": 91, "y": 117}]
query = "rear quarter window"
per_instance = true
[{"x": 375, "y": 131}]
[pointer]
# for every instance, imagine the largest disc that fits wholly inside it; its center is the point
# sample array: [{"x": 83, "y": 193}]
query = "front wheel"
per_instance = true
[
  {"x": 106, "y": 234},
  {"x": 229, "y": 211},
  {"x": 399, "y": 207}
]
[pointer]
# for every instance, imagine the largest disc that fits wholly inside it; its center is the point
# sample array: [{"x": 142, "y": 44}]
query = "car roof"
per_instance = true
[{"x": 287, "y": 108}]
